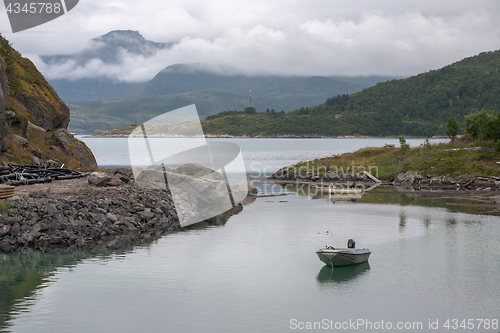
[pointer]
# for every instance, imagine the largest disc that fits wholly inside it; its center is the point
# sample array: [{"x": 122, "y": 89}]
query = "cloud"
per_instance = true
[{"x": 321, "y": 37}]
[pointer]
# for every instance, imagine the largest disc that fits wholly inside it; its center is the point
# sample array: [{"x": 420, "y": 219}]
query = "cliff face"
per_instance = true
[
  {"x": 33, "y": 118},
  {"x": 3, "y": 123}
]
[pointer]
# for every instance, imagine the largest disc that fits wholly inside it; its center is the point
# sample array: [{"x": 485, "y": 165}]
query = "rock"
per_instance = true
[
  {"x": 146, "y": 214},
  {"x": 195, "y": 170},
  {"x": 124, "y": 175},
  {"x": 33, "y": 217},
  {"x": 5, "y": 230},
  {"x": 112, "y": 217},
  {"x": 97, "y": 210},
  {"x": 98, "y": 178},
  {"x": 22, "y": 141},
  {"x": 15, "y": 229},
  {"x": 41, "y": 193},
  {"x": 51, "y": 210},
  {"x": 252, "y": 189},
  {"x": 62, "y": 139},
  {"x": 9, "y": 115},
  {"x": 53, "y": 164},
  {"x": 12, "y": 220},
  {"x": 114, "y": 182},
  {"x": 408, "y": 178},
  {"x": 56, "y": 149},
  {"x": 66, "y": 142}
]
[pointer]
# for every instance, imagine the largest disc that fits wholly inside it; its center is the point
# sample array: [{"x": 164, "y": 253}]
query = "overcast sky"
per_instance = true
[{"x": 313, "y": 37}]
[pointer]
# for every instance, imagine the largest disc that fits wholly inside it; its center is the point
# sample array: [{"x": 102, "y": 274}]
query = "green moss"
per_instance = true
[{"x": 5, "y": 205}]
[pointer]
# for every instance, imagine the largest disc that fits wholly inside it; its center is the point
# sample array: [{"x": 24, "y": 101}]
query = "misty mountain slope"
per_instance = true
[
  {"x": 110, "y": 49},
  {"x": 181, "y": 78},
  {"x": 419, "y": 105},
  {"x": 90, "y": 117},
  {"x": 92, "y": 89}
]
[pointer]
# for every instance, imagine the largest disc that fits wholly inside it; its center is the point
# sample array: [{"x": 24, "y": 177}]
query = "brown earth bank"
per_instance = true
[{"x": 70, "y": 215}]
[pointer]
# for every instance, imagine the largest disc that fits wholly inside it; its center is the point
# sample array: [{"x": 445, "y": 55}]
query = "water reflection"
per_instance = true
[
  {"x": 22, "y": 275},
  {"x": 394, "y": 195},
  {"x": 402, "y": 221},
  {"x": 329, "y": 274}
]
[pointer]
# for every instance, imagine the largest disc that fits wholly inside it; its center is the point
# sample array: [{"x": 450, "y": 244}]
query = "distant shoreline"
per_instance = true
[{"x": 226, "y": 136}]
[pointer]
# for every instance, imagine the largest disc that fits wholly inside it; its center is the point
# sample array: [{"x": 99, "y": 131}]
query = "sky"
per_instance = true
[{"x": 264, "y": 37}]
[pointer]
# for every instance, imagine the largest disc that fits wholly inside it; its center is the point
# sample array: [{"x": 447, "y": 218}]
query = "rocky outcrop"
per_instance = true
[
  {"x": 73, "y": 147},
  {"x": 32, "y": 110}
]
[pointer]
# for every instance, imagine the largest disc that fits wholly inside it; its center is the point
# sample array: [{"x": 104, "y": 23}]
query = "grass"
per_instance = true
[
  {"x": 5, "y": 205},
  {"x": 451, "y": 159}
]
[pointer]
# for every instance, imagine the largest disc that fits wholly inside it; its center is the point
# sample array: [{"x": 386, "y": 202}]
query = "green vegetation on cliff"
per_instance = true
[{"x": 33, "y": 119}]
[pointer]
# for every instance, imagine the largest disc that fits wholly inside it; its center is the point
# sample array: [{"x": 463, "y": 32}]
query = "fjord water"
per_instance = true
[
  {"x": 262, "y": 156},
  {"x": 259, "y": 273}
]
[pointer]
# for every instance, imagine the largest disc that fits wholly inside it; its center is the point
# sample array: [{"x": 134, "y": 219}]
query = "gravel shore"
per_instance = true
[{"x": 76, "y": 214}]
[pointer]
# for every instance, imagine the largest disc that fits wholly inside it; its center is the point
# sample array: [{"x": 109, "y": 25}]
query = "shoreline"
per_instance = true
[
  {"x": 227, "y": 136},
  {"x": 67, "y": 215}
]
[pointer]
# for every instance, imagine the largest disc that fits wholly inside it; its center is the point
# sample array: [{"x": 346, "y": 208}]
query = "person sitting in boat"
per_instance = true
[
  {"x": 353, "y": 185},
  {"x": 332, "y": 186}
]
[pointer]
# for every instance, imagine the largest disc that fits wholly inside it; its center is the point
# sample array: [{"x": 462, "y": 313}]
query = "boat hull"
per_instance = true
[{"x": 343, "y": 257}]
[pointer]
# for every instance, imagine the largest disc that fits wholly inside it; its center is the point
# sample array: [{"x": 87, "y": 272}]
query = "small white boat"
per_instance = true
[{"x": 343, "y": 256}]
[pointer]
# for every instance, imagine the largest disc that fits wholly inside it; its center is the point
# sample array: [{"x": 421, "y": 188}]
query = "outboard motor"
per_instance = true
[{"x": 351, "y": 244}]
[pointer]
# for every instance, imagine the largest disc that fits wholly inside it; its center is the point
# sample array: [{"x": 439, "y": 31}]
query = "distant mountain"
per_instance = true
[
  {"x": 211, "y": 92},
  {"x": 90, "y": 117},
  {"x": 419, "y": 105},
  {"x": 182, "y": 78},
  {"x": 109, "y": 49},
  {"x": 287, "y": 94}
]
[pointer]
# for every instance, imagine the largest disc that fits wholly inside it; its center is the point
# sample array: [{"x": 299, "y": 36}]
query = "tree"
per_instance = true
[
  {"x": 452, "y": 128},
  {"x": 250, "y": 110},
  {"x": 481, "y": 125},
  {"x": 404, "y": 146}
]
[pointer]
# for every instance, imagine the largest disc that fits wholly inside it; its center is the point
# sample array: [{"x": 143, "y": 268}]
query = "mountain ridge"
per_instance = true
[{"x": 419, "y": 105}]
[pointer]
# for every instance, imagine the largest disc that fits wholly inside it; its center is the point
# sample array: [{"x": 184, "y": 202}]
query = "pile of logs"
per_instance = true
[{"x": 15, "y": 175}]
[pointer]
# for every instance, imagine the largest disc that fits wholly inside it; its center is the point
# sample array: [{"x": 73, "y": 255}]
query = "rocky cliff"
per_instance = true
[
  {"x": 3, "y": 124},
  {"x": 33, "y": 119}
]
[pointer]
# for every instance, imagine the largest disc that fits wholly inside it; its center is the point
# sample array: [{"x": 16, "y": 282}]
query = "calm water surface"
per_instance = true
[
  {"x": 260, "y": 155},
  {"x": 259, "y": 273}
]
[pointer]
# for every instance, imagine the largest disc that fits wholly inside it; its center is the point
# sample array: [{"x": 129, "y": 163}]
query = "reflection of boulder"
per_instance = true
[{"x": 329, "y": 274}]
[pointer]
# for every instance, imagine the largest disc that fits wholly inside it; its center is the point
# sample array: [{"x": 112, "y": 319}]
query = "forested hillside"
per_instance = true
[{"x": 419, "y": 105}]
